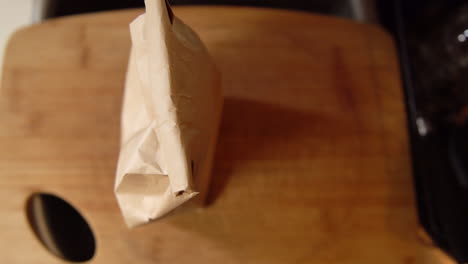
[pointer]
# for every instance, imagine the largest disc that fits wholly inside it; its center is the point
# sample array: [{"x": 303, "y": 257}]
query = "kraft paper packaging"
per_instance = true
[{"x": 170, "y": 118}]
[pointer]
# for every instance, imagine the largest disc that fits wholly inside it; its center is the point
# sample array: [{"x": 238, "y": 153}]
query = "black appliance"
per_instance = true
[{"x": 432, "y": 38}]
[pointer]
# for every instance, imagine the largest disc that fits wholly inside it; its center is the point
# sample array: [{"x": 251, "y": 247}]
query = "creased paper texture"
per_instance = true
[{"x": 170, "y": 117}]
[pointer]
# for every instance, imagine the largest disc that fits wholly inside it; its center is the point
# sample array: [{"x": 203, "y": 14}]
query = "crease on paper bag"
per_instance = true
[{"x": 170, "y": 117}]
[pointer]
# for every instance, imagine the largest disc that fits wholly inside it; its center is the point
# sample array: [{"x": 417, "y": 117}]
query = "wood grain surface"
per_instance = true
[{"x": 312, "y": 163}]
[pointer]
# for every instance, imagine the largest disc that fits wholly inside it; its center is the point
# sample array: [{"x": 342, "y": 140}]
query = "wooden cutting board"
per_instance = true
[{"x": 312, "y": 163}]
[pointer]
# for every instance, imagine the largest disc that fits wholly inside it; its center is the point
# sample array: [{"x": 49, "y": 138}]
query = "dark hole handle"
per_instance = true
[{"x": 60, "y": 227}]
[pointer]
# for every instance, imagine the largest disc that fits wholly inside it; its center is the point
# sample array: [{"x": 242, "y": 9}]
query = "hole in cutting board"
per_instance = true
[{"x": 60, "y": 227}]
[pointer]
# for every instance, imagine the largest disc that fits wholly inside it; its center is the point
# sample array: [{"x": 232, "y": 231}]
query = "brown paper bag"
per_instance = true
[{"x": 170, "y": 118}]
